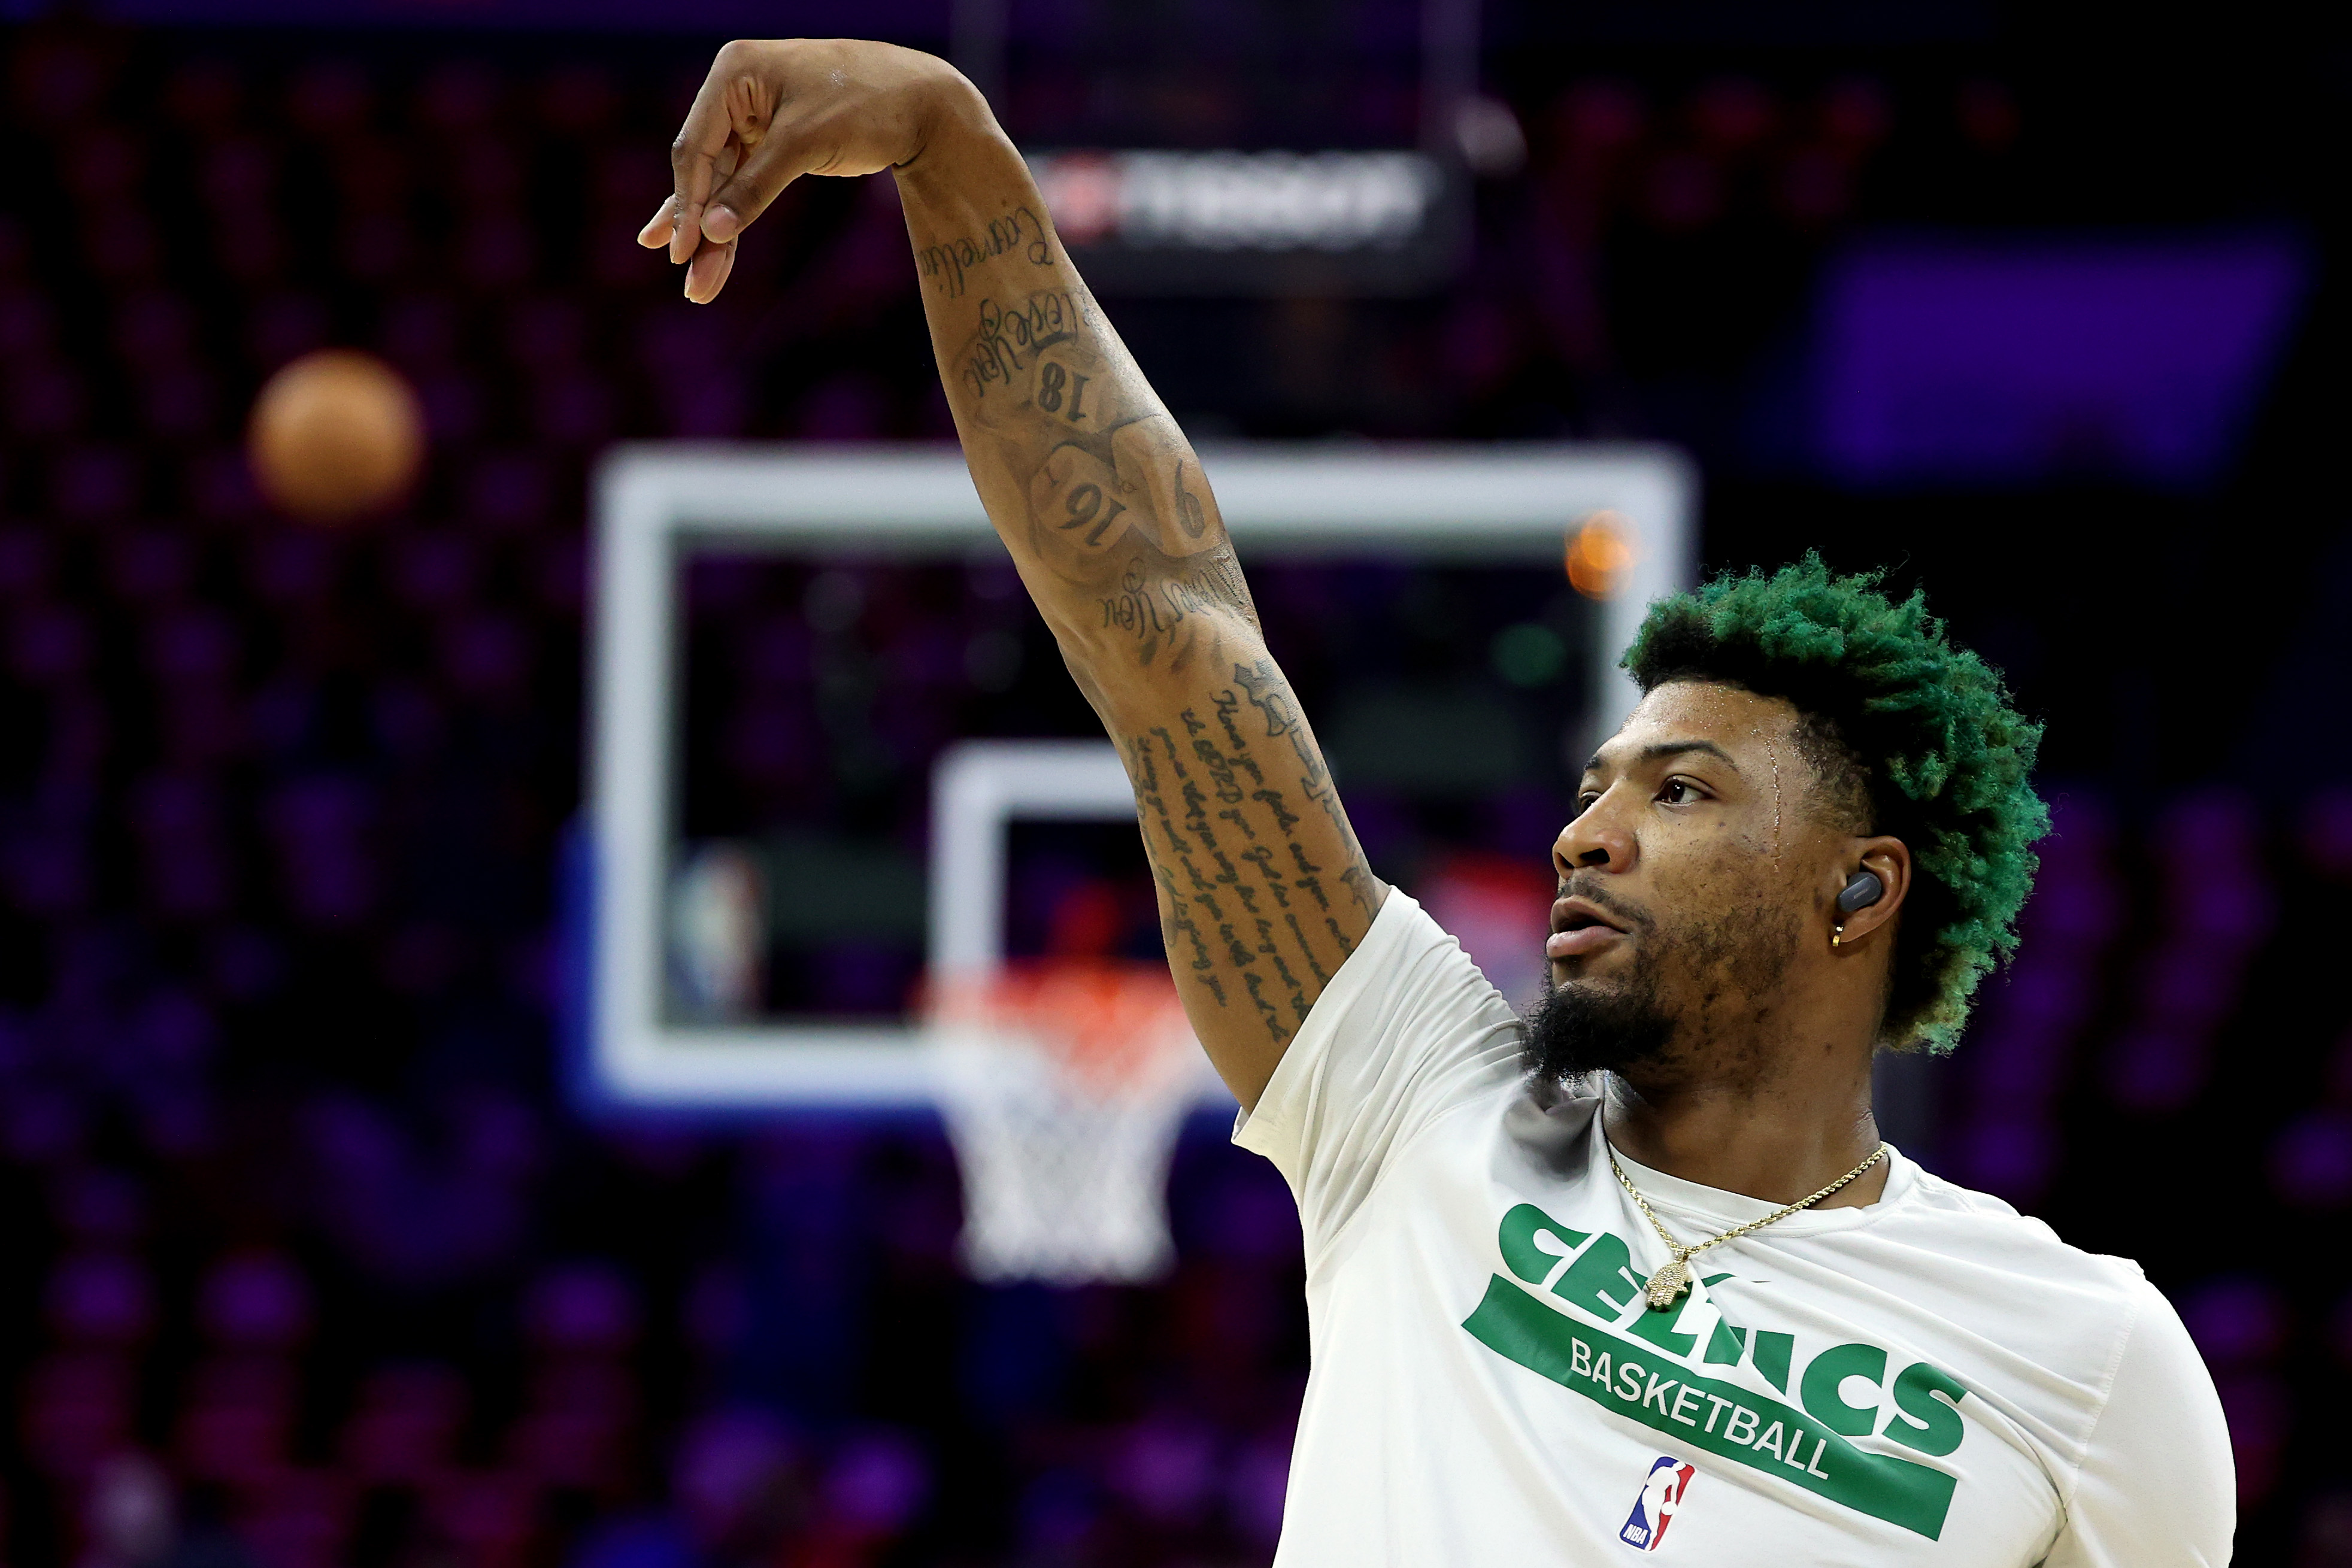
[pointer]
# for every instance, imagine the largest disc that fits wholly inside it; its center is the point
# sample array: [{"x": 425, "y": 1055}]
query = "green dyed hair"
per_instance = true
[{"x": 1911, "y": 736}]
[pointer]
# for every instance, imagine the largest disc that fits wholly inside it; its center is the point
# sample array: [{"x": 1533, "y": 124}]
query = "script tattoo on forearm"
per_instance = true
[
  {"x": 1017, "y": 232},
  {"x": 1009, "y": 341},
  {"x": 1263, "y": 889},
  {"x": 1244, "y": 900},
  {"x": 1271, "y": 695},
  {"x": 1156, "y": 596}
]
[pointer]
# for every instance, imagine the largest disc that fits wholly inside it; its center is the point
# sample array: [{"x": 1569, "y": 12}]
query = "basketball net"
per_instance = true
[{"x": 1064, "y": 1084}]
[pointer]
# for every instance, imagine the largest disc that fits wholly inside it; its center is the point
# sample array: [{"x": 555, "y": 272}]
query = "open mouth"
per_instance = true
[{"x": 1579, "y": 927}]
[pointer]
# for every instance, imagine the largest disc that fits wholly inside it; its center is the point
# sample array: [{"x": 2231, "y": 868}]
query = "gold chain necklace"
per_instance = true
[{"x": 1673, "y": 1276}]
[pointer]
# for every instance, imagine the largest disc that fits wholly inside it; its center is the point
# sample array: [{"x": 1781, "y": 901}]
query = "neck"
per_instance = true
[{"x": 1777, "y": 1138}]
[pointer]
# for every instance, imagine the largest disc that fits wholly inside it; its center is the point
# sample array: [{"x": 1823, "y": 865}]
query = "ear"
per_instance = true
[{"x": 1888, "y": 859}]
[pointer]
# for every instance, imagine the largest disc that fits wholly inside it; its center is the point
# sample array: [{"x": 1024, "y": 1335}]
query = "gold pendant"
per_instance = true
[{"x": 1673, "y": 1278}]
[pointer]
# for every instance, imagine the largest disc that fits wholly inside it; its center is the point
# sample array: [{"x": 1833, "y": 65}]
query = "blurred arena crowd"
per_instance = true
[{"x": 315, "y": 1261}]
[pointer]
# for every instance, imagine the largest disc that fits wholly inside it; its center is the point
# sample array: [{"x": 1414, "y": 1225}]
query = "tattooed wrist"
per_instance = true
[{"x": 1018, "y": 233}]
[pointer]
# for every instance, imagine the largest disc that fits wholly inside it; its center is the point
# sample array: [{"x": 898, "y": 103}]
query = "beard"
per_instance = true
[
  {"x": 1576, "y": 1030},
  {"x": 1738, "y": 957}
]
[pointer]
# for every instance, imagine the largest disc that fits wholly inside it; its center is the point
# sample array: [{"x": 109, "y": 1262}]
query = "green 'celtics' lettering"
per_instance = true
[
  {"x": 1524, "y": 1236},
  {"x": 1599, "y": 1271},
  {"x": 1660, "y": 1328},
  {"x": 1590, "y": 1276},
  {"x": 1753, "y": 1430},
  {"x": 1832, "y": 1367},
  {"x": 1928, "y": 1422}
]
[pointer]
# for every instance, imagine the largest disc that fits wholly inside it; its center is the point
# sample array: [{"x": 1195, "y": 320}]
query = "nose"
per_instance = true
[{"x": 1594, "y": 840}]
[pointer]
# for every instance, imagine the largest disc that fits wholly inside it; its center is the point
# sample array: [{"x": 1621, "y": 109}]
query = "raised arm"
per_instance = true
[{"x": 1263, "y": 888}]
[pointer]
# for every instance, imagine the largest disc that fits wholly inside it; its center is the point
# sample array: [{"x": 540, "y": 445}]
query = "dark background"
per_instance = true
[{"x": 296, "y": 1204}]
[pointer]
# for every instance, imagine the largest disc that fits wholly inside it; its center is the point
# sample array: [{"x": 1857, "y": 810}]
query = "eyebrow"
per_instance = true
[{"x": 1662, "y": 749}]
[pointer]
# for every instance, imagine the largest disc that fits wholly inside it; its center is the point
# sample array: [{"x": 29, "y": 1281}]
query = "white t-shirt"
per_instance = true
[{"x": 1931, "y": 1378}]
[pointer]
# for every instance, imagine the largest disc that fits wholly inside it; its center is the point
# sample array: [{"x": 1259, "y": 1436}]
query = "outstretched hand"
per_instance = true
[{"x": 771, "y": 111}]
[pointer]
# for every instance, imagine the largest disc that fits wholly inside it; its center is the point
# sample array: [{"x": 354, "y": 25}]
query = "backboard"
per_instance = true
[{"x": 803, "y": 617}]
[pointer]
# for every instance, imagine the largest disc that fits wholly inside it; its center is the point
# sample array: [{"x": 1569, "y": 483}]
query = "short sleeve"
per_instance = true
[
  {"x": 1406, "y": 1030},
  {"x": 2157, "y": 1488}
]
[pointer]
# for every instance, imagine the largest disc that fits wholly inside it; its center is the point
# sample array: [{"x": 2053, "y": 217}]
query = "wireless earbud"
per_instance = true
[{"x": 1862, "y": 890}]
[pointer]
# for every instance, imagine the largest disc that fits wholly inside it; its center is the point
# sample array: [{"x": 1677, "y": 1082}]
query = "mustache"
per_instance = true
[{"x": 1587, "y": 885}]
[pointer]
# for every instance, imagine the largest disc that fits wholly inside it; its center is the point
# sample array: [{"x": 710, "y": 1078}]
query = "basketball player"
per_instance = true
[{"x": 1642, "y": 1256}]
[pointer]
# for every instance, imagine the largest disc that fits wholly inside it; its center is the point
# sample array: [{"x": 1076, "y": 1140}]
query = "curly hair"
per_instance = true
[{"x": 1910, "y": 735}]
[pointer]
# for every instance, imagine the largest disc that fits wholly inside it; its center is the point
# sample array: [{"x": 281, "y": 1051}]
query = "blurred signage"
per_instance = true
[{"x": 1227, "y": 223}]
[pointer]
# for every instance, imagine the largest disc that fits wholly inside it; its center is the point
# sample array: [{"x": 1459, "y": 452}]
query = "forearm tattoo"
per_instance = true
[
  {"x": 1116, "y": 505},
  {"x": 1264, "y": 889},
  {"x": 1017, "y": 232},
  {"x": 1244, "y": 902}
]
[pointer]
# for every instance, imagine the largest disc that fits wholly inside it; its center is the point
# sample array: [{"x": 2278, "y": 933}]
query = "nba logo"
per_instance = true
[{"x": 1661, "y": 1493}]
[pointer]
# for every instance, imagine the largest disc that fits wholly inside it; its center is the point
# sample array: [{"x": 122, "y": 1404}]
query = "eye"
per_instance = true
[
  {"x": 1584, "y": 801},
  {"x": 1680, "y": 792}
]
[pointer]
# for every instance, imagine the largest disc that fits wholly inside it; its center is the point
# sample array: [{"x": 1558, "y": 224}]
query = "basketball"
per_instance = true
[{"x": 335, "y": 434}]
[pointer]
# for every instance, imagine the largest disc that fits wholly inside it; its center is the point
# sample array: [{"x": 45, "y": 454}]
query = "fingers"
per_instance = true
[
  {"x": 694, "y": 156},
  {"x": 706, "y": 275},
  {"x": 767, "y": 168},
  {"x": 660, "y": 226},
  {"x": 705, "y": 269}
]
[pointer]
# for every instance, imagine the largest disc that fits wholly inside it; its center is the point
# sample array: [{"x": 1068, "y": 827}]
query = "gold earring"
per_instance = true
[{"x": 1837, "y": 934}]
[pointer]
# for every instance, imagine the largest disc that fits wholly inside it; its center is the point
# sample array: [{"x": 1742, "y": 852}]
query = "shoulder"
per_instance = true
[
  {"x": 2062, "y": 1330},
  {"x": 1406, "y": 1031},
  {"x": 2075, "y": 1357},
  {"x": 2153, "y": 1482},
  {"x": 1989, "y": 1234},
  {"x": 1409, "y": 968}
]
